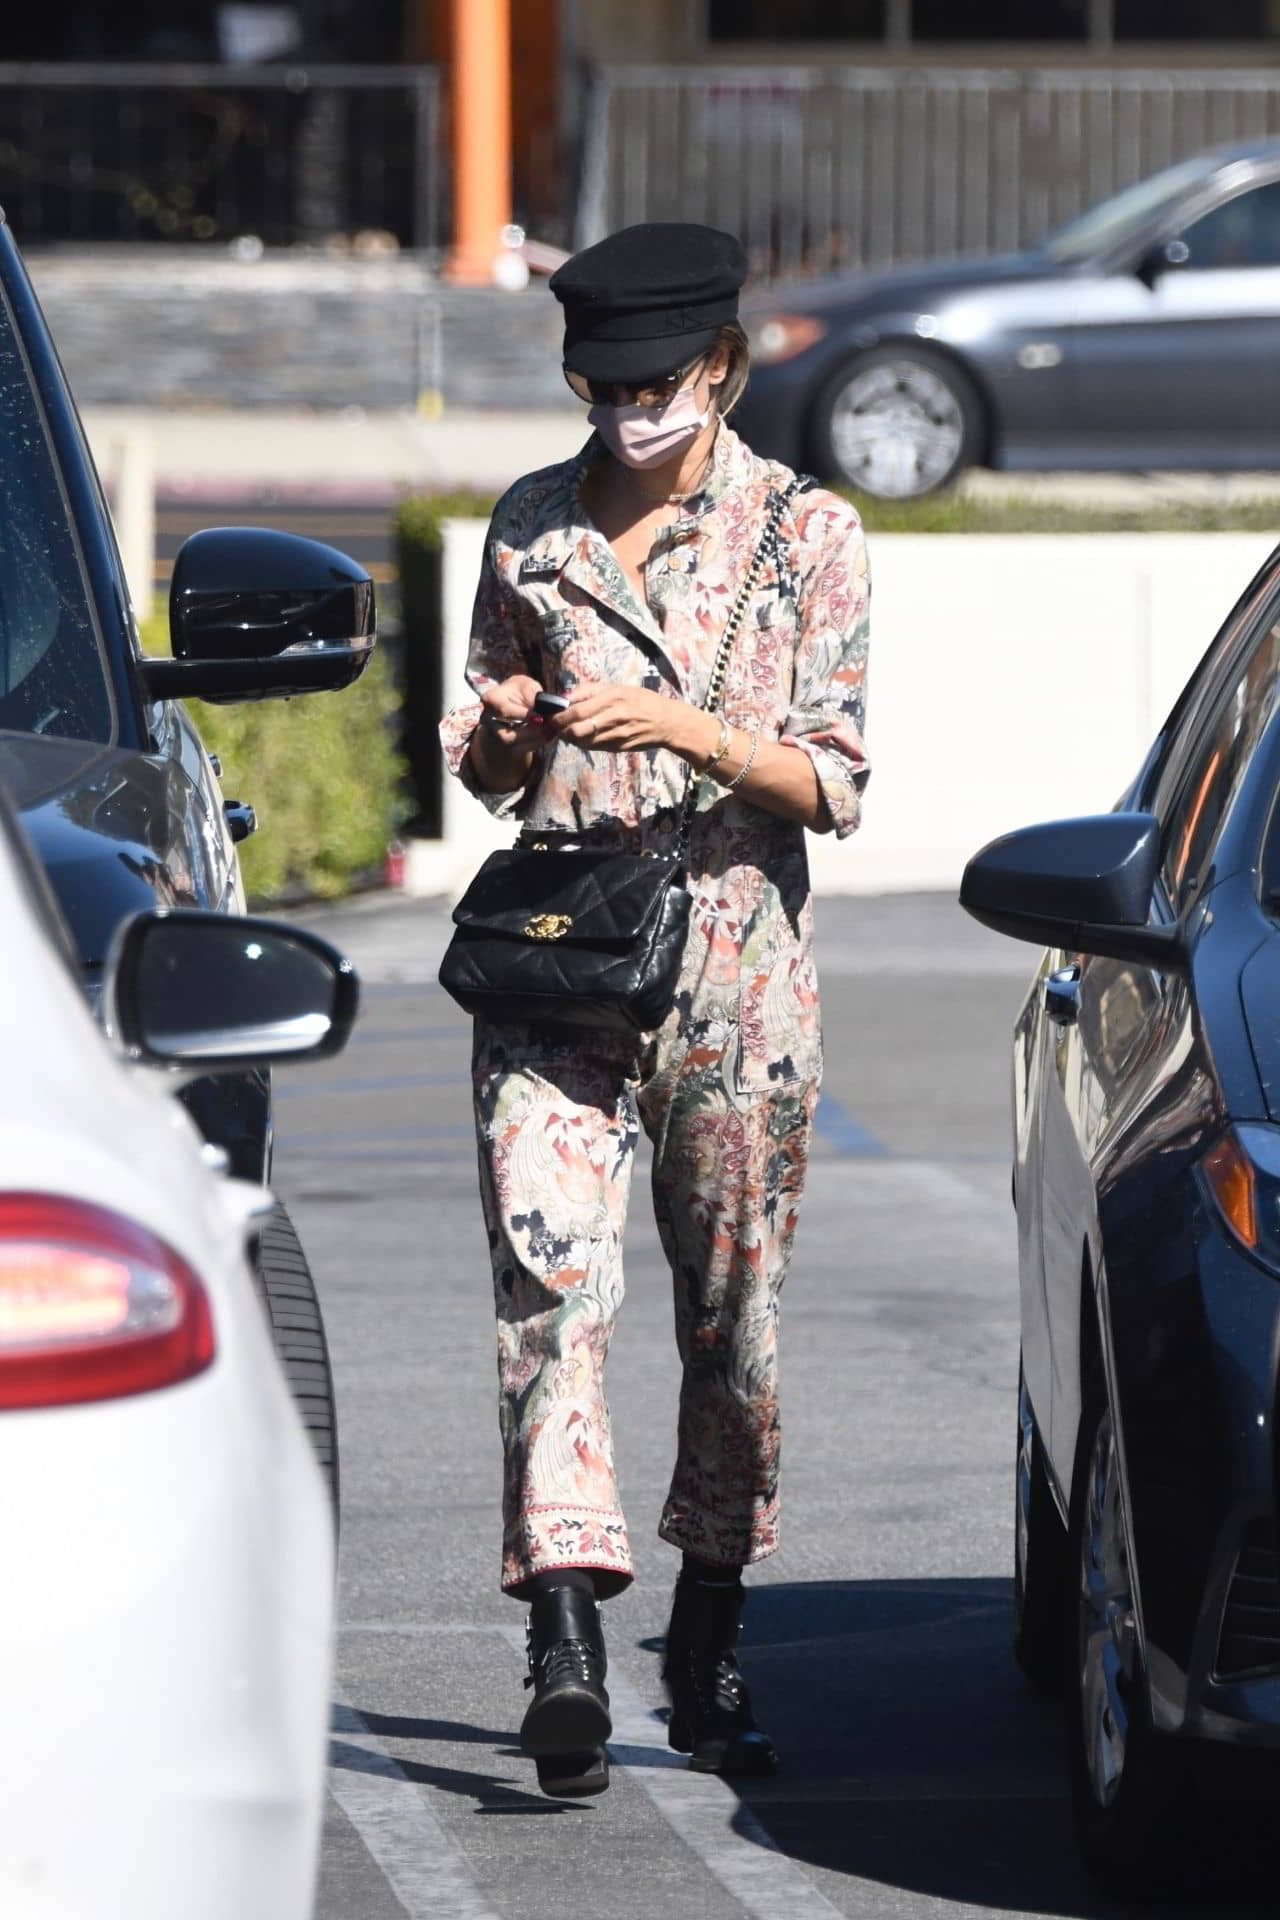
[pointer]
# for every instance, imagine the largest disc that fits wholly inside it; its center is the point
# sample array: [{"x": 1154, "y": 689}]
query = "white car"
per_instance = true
[{"x": 166, "y": 1609}]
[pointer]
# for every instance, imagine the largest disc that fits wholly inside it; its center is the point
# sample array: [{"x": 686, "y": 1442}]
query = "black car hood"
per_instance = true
[
  {"x": 909, "y": 287},
  {"x": 108, "y": 826}
]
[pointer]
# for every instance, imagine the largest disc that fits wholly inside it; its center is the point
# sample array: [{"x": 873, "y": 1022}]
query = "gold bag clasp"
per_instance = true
[{"x": 548, "y": 926}]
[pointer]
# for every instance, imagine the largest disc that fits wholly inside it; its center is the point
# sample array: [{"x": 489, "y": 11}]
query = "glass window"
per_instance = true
[
  {"x": 53, "y": 677},
  {"x": 1106, "y": 225},
  {"x": 1195, "y": 20},
  {"x": 1000, "y": 20},
  {"x": 796, "y": 20},
  {"x": 1244, "y": 232},
  {"x": 1217, "y": 767}
]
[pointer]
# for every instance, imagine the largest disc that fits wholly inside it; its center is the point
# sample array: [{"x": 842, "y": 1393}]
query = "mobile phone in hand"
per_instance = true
[{"x": 548, "y": 705}]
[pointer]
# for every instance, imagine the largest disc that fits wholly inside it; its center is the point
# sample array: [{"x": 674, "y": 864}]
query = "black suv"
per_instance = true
[{"x": 101, "y": 758}]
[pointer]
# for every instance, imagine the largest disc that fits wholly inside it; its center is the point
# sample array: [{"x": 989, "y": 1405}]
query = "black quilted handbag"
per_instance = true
[{"x": 550, "y": 934}]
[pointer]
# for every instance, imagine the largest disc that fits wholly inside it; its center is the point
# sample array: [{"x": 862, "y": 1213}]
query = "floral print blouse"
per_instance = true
[{"x": 554, "y": 602}]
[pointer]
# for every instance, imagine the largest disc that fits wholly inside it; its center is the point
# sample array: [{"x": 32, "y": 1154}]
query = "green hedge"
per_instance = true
[
  {"x": 958, "y": 512},
  {"x": 322, "y": 772}
]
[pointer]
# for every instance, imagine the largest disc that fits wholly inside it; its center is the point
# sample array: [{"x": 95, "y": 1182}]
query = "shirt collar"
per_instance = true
[{"x": 564, "y": 541}]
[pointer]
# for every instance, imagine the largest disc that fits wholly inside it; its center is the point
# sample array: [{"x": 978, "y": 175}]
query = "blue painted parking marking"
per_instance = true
[{"x": 839, "y": 1128}]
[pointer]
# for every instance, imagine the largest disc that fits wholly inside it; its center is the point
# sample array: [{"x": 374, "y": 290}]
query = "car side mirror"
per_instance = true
[
  {"x": 1165, "y": 257},
  {"x": 223, "y": 991},
  {"x": 255, "y": 613},
  {"x": 1083, "y": 885}
]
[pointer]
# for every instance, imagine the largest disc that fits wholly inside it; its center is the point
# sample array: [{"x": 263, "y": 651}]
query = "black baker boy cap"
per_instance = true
[{"x": 647, "y": 299}]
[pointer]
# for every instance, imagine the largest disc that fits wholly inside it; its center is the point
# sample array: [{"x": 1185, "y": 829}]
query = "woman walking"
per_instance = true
[{"x": 609, "y": 580}]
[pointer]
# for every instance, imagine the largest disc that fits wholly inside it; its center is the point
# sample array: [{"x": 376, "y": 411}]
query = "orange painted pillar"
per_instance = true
[{"x": 481, "y": 108}]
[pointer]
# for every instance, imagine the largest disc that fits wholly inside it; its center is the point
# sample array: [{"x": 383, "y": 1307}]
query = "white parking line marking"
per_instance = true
[
  {"x": 427, "y": 1872},
  {"x": 704, "y": 1812},
  {"x": 432, "y": 1878}
]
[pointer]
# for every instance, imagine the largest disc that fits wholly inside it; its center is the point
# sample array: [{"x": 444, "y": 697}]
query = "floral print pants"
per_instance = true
[{"x": 557, "y": 1127}]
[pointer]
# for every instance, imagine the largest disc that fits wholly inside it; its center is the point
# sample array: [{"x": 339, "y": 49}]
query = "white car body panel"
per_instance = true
[{"x": 167, "y": 1608}]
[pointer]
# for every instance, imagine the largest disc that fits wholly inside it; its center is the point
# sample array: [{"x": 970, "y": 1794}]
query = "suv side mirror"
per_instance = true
[
  {"x": 254, "y": 613},
  {"x": 1083, "y": 885},
  {"x": 222, "y": 991},
  {"x": 1165, "y": 257}
]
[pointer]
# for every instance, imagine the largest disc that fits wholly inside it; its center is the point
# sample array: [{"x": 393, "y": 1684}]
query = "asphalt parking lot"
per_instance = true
[{"x": 920, "y": 1778}]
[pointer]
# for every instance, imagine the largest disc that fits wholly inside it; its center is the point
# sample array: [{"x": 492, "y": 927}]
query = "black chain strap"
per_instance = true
[{"x": 767, "y": 544}]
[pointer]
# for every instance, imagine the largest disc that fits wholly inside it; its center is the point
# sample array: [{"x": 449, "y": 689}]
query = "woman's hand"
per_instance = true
[
  {"x": 622, "y": 719},
  {"x": 508, "y": 715},
  {"x": 508, "y": 739}
]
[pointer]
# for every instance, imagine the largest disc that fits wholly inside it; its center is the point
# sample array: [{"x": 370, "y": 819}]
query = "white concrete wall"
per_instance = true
[
  {"x": 1014, "y": 677},
  {"x": 469, "y": 831}
]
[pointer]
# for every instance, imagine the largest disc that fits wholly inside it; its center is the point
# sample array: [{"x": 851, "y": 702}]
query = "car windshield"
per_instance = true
[
  {"x": 53, "y": 678},
  {"x": 1105, "y": 225}
]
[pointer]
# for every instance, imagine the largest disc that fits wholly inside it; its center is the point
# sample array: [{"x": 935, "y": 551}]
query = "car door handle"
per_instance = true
[
  {"x": 1062, "y": 996},
  {"x": 241, "y": 819}
]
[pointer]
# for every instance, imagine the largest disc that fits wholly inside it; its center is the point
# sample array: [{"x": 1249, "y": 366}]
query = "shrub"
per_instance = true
[
  {"x": 324, "y": 775},
  {"x": 960, "y": 512}
]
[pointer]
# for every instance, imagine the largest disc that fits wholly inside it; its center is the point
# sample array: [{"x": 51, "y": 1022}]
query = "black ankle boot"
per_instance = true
[
  {"x": 711, "y": 1718},
  {"x": 568, "y": 1722}
]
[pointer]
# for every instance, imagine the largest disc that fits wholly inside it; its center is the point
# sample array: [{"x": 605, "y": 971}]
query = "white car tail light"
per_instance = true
[{"x": 92, "y": 1306}]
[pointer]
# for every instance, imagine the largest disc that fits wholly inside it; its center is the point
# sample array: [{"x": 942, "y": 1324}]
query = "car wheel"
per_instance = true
[
  {"x": 288, "y": 1295},
  {"x": 1039, "y": 1561},
  {"x": 1128, "y": 1783},
  {"x": 897, "y": 422}
]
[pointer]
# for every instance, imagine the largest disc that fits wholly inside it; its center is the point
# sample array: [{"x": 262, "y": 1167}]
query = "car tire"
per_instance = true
[
  {"x": 1130, "y": 1786},
  {"x": 1039, "y": 1562},
  {"x": 292, "y": 1307},
  {"x": 896, "y": 423}
]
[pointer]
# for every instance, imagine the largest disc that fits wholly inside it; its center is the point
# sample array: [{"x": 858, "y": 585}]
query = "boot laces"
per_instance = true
[
  {"x": 716, "y": 1682},
  {"x": 567, "y": 1662}
]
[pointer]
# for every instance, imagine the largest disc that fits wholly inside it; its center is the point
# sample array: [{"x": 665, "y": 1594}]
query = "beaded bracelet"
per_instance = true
[{"x": 746, "y": 766}]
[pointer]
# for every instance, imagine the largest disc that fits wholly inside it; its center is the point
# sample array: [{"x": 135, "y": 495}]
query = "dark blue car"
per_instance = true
[{"x": 1146, "y": 1123}]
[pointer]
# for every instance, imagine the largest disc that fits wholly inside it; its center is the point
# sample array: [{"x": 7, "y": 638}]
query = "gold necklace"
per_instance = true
[{"x": 674, "y": 499}]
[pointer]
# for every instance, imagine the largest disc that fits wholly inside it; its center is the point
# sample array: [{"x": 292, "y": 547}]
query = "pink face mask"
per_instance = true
[{"x": 646, "y": 436}]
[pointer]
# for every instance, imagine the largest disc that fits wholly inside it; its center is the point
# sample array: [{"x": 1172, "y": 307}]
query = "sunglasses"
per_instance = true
[{"x": 651, "y": 393}]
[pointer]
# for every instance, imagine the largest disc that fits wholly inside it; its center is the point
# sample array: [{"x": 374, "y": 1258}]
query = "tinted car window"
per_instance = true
[
  {"x": 53, "y": 678},
  {"x": 1244, "y": 232},
  {"x": 1105, "y": 225},
  {"x": 1213, "y": 775}
]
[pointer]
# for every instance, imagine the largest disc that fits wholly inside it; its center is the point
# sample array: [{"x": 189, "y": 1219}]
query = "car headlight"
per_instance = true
[
  {"x": 1241, "y": 1174},
  {"x": 781, "y": 336}
]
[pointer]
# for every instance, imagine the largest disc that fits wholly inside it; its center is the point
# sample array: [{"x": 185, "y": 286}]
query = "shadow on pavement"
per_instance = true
[
  {"x": 490, "y": 1791},
  {"x": 913, "y": 1755},
  {"x": 402, "y": 1727}
]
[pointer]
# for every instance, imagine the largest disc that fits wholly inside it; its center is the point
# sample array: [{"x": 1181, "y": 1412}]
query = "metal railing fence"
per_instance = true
[
  {"x": 197, "y": 153},
  {"x": 829, "y": 167}
]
